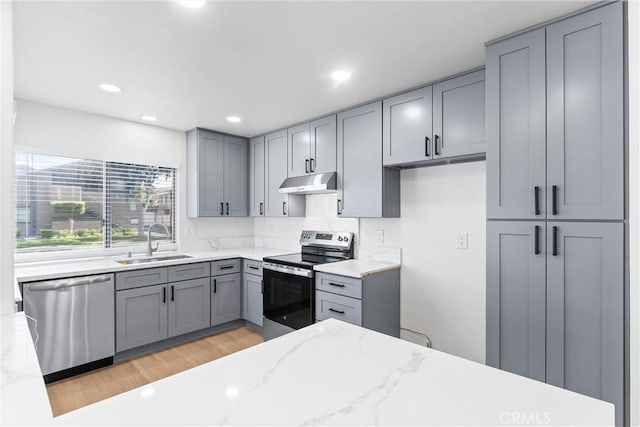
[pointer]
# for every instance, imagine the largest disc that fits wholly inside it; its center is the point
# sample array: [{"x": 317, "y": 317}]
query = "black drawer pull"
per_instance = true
[
  {"x": 435, "y": 145},
  {"x": 336, "y": 311},
  {"x": 284, "y": 205},
  {"x": 164, "y": 295},
  {"x": 554, "y": 200},
  {"x": 253, "y": 267},
  {"x": 339, "y": 211},
  {"x": 312, "y": 165},
  {"x": 555, "y": 241},
  {"x": 536, "y": 250},
  {"x": 306, "y": 165},
  {"x": 261, "y": 208},
  {"x": 221, "y": 208},
  {"x": 426, "y": 146},
  {"x": 227, "y": 208},
  {"x": 173, "y": 293},
  {"x": 339, "y": 285},
  {"x": 226, "y": 267},
  {"x": 536, "y": 199},
  {"x": 215, "y": 286}
]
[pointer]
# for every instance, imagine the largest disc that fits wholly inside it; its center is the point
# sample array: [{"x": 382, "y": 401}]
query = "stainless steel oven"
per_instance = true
[{"x": 289, "y": 289}]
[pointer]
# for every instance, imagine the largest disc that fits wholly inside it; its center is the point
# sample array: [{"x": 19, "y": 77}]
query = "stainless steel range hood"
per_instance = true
[{"x": 318, "y": 183}]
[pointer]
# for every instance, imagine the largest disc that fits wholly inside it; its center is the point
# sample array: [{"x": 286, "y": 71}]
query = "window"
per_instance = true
[{"x": 65, "y": 203}]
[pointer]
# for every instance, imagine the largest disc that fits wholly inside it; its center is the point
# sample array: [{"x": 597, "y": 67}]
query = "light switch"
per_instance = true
[
  {"x": 463, "y": 241},
  {"x": 380, "y": 236}
]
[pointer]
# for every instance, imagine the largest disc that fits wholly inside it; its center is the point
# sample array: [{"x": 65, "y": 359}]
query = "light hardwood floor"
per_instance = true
[{"x": 73, "y": 393}]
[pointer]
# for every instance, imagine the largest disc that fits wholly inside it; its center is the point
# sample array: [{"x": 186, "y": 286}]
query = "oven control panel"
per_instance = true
[{"x": 327, "y": 238}]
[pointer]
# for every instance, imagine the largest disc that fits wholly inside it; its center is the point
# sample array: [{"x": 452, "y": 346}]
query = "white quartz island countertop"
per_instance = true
[
  {"x": 357, "y": 268},
  {"x": 334, "y": 373}
]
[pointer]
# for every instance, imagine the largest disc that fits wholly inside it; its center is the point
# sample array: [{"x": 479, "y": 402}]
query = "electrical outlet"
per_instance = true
[
  {"x": 463, "y": 241},
  {"x": 380, "y": 236}
]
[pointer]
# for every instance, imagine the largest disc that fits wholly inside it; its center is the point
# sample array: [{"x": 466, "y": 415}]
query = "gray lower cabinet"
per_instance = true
[
  {"x": 141, "y": 316},
  {"x": 365, "y": 187},
  {"x": 256, "y": 177},
  {"x": 226, "y": 298},
  {"x": 189, "y": 306},
  {"x": 252, "y": 292},
  {"x": 217, "y": 175},
  {"x": 372, "y": 302},
  {"x": 585, "y": 310},
  {"x": 276, "y": 203},
  {"x": 555, "y": 120},
  {"x": 516, "y": 292},
  {"x": 459, "y": 116}
]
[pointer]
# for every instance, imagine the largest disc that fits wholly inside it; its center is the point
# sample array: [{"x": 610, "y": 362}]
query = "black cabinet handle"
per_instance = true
[
  {"x": 261, "y": 208},
  {"x": 306, "y": 165},
  {"x": 336, "y": 311},
  {"x": 262, "y": 286},
  {"x": 554, "y": 200},
  {"x": 173, "y": 293},
  {"x": 536, "y": 199},
  {"x": 221, "y": 208},
  {"x": 164, "y": 295},
  {"x": 339, "y": 285},
  {"x": 227, "y": 208},
  {"x": 426, "y": 146},
  {"x": 339, "y": 211},
  {"x": 536, "y": 250},
  {"x": 435, "y": 145},
  {"x": 226, "y": 267},
  {"x": 284, "y": 205},
  {"x": 215, "y": 286},
  {"x": 554, "y": 251},
  {"x": 312, "y": 165},
  {"x": 253, "y": 267}
]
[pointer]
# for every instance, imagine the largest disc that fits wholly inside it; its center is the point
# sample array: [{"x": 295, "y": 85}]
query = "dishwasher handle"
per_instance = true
[{"x": 63, "y": 284}]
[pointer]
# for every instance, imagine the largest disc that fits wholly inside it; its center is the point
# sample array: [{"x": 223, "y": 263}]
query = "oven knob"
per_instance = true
[
  {"x": 339, "y": 238},
  {"x": 346, "y": 239}
]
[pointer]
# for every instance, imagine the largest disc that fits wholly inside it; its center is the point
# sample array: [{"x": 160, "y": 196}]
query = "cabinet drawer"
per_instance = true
[
  {"x": 189, "y": 271},
  {"x": 253, "y": 267},
  {"x": 338, "y": 307},
  {"x": 138, "y": 278},
  {"x": 226, "y": 266},
  {"x": 339, "y": 285}
]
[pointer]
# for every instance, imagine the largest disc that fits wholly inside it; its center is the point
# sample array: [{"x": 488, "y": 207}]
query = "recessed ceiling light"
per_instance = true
[
  {"x": 193, "y": 4},
  {"x": 233, "y": 119},
  {"x": 341, "y": 75},
  {"x": 149, "y": 118},
  {"x": 108, "y": 87}
]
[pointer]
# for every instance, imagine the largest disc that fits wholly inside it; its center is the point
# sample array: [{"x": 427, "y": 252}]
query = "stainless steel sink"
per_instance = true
[{"x": 152, "y": 259}]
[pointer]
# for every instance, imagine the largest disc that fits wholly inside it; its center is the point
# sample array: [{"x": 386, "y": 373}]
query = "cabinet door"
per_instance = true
[
  {"x": 256, "y": 176},
  {"x": 459, "y": 116},
  {"x": 515, "y": 86},
  {"x": 360, "y": 161},
  {"x": 189, "y": 306},
  {"x": 408, "y": 126},
  {"x": 585, "y": 307},
  {"x": 236, "y": 198},
  {"x": 298, "y": 150},
  {"x": 210, "y": 173},
  {"x": 585, "y": 116},
  {"x": 141, "y": 316},
  {"x": 323, "y": 145},
  {"x": 276, "y": 165},
  {"x": 516, "y": 297},
  {"x": 252, "y": 299},
  {"x": 226, "y": 298}
]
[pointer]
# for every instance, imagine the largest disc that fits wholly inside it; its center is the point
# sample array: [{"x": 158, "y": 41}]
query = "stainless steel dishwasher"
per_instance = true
[{"x": 72, "y": 323}]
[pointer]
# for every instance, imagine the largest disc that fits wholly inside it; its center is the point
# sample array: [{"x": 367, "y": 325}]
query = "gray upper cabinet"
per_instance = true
[
  {"x": 216, "y": 174},
  {"x": 256, "y": 177},
  {"x": 323, "y": 136},
  {"x": 408, "y": 127},
  {"x": 365, "y": 188},
  {"x": 298, "y": 150},
  {"x": 516, "y": 292},
  {"x": 585, "y": 117},
  {"x": 585, "y": 309},
  {"x": 141, "y": 316},
  {"x": 516, "y": 108},
  {"x": 226, "y": 298},
  {"x": 459, "y": 116},
  {"x": 276, "y": 203},
  {"x": 189, "y": 306}
]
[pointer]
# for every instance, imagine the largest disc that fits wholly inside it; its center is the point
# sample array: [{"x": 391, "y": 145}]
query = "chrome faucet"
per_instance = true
[{"x": 151, "y": 249}]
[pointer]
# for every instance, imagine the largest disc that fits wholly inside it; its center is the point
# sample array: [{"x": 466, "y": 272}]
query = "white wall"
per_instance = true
[
  {"x": 6, "y": 159},
  {"x": 51, "y": 130}
]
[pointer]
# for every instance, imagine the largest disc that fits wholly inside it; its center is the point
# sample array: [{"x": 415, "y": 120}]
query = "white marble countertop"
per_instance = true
[
  {"x": 357, "y": 268},
  {"x": 334, "y": 373},
  {"x": 64, "y": 268}
]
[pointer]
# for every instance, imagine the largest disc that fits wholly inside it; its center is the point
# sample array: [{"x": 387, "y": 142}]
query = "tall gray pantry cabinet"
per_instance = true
[{"x": 555, "y": 204}]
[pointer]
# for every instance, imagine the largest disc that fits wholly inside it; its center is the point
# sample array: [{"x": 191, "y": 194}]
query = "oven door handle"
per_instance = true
[{"x": 303, "y": 272}]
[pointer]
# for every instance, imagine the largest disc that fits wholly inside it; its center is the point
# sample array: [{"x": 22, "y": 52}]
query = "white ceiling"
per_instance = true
[{"x": 267, "y": 62}]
